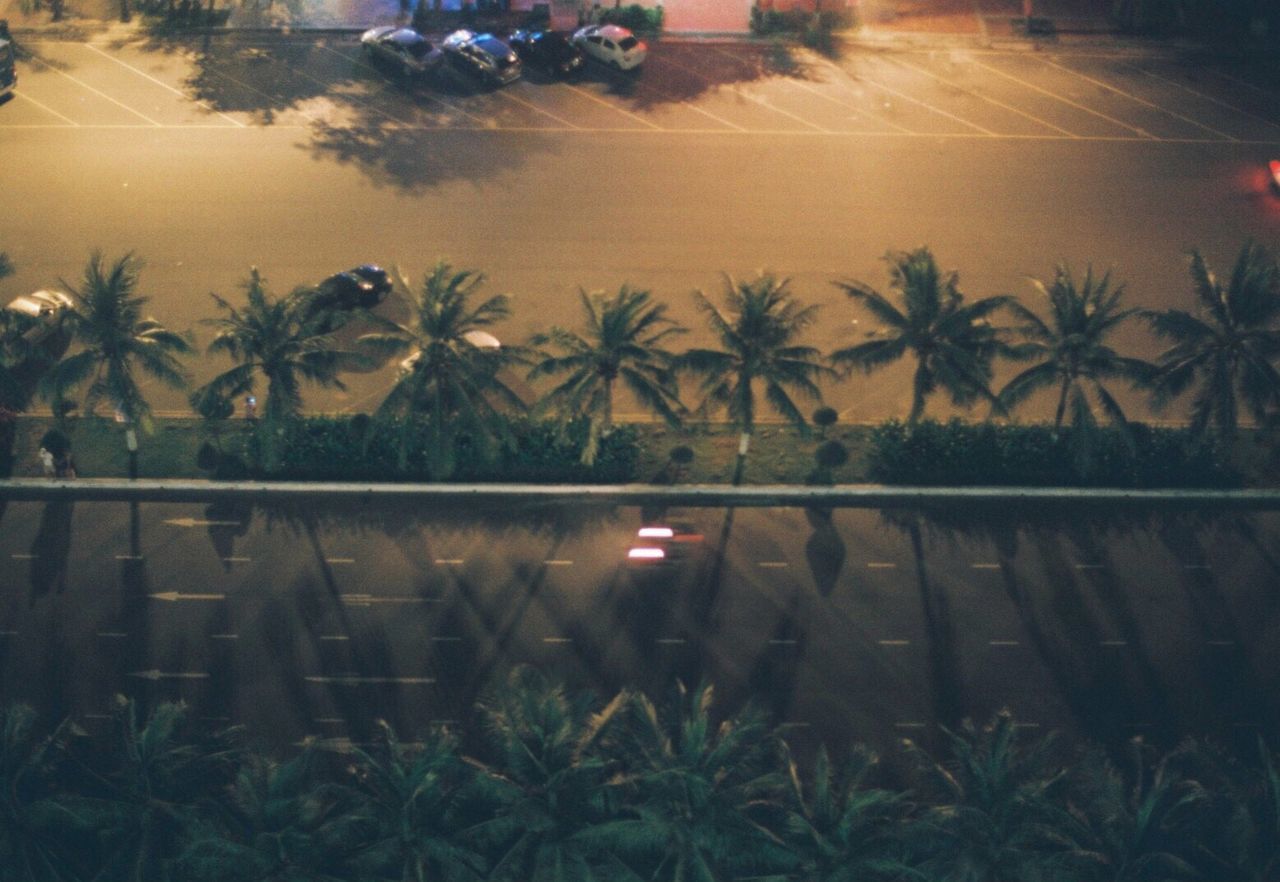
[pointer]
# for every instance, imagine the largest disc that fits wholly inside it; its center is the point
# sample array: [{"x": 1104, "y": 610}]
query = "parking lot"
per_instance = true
[{"x": 689, "y": 88}]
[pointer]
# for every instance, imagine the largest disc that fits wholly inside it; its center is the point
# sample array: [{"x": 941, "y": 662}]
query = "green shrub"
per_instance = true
[
  {"x": 634, "y": 17},
  {"x": 360, "y": 449},
  {"x": 959, "y": 453}
]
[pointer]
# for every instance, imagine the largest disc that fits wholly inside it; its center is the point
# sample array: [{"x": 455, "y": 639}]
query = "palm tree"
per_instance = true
[
  {"x": 152, "y": 788},
  {"x": 417, "y": 800},
  {"x": 35, "y": 819},
  {"x": 843, "y": 829},
  {"x": 624, "y": 341},
  {"x": 993, "y": 816},
  {"x": 554, "y": 795},
  {"x": 758, "y": 334},
  {"x": 1071, "y": 348},
  {"x": 280, "y": 821},
  {"x": 106, "y": 318},
  {"x": 280, "y": 339},
  {"x": 953, "y": 342},
  {"x": 1135, "y": 825},
  {"x": 451, "y": 379},
  {"x": 1228, "y": 347},
  {"x": 700, "y": 793}
]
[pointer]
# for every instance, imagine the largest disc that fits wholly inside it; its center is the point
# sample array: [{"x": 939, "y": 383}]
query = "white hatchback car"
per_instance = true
[{"x": 613, "y": 45}]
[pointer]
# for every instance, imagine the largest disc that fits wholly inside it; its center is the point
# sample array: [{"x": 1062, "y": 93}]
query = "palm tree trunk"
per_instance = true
[
  {"x": 1062, "y": 404},
  {"x": 744, "y": 444},
  {"x": 917, "y": 395}
]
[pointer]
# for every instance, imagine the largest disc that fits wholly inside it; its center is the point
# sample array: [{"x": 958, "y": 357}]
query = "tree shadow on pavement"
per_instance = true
[{"x": 687, "y": 71}]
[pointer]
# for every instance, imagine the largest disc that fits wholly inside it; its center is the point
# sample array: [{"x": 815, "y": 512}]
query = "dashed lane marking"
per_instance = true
[
  {"x": 450, "y": 560},
  {"x": 984, "y": 566},
  {"x": 1115, "y": 643},
  {"x": 558, "y": 563},
  {"x": 1003, "y": 643},
  {"x": 773, "y": 564},
  {"x": 881, "y": 565},
  {"x": 334, "y": 637},
  {"x": 557, "y": 640},
  {"x": 671, "y": 641},
  {"x": 24, "y": 556},
  {"x": 894, "y": 642},
  {"x": 164, "y": 85},
  {"x": 224, "y": 636},
  {"x": 111, "y": 635}
]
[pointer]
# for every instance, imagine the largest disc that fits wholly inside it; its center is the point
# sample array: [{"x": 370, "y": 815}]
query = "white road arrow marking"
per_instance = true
[
  {"x": 154, "y": 675},
  {"x": 362, "y": 681},
  {"x": 174, "y": 595}
]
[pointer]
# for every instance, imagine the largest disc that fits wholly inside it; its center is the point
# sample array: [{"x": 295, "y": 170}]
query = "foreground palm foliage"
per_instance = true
[{"x": 559, "y": 786}]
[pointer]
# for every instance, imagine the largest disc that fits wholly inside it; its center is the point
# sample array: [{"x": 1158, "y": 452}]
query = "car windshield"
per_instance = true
[
  {"x": 493, "y": 47},
  {"x": 420, "y": 49},
  {"x": 626, "y": 44}
]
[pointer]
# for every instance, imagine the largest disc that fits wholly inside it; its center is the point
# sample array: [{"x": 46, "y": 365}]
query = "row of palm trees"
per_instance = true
[
  {"x": 561, "y": 787},
  {"x": 1225, "y": 351}
]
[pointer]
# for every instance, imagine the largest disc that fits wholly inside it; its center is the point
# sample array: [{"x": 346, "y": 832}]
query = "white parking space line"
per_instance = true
[
  {"x": 564, "y": 122},
  {"x": 913, "y": 100},
  {"x": 449, "y": 560},
  {"x": 876, "y": 117},
  {"x": 558, "y": 563},
  {"x": 359, "y": 62},
  {"x": 82, "y": 84},
  {"x": 1033, "y": 87},
  {"x": 683, "y": 103},
  {"x": 26, "y": 97},
  {"x": 881, "y": 565},
  {"x": 226, "y": 76},
  {"x": 627, "y": 113},
  {"x": 1104, "y": 85},
  {"x": 1207, "y": 97},
  {"x": 147, "y": 76},
  {"x": 328, "y": 83},
  {"x": 993, "y": 101},
  {"x": 737, "y": 91}
]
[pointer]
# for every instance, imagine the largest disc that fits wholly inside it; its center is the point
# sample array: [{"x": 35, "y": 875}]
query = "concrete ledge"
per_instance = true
[{"x": 845, "y": 495}]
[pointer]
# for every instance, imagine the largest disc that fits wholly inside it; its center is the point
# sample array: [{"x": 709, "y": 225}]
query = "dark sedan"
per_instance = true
[
  {"x": 549, "y": 51},
  {"x": 361, "y": 287},
  {"x": 483, "y": 56}
]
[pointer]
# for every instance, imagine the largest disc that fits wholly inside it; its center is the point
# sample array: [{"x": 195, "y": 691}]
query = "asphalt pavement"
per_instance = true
[{"x": 316, "y": 618}]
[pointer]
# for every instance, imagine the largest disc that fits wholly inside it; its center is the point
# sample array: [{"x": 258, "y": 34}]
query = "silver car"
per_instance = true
[{"x": 403, "y": 49}]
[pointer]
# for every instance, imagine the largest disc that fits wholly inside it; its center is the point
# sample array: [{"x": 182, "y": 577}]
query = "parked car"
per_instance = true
[
  {"x": 361, "y": 287},
  {"x": 403, "y": 49},
  {"x": 612, "y": 45},
  {"x": 549, "y": 51},
  {"x": 482, "y": 56},
  {"x": 36, "y": 316}
]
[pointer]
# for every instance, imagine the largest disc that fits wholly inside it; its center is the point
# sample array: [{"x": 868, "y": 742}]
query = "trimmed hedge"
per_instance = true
[
  {"x": 360, "y": 449},
  {"x": 959, "y": 453},
  {"x": 634, "y": 17}
]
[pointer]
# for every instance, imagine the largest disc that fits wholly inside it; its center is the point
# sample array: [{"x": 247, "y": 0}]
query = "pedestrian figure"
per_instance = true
[
  {"x": 250, "y": 408},
  {"x": 46, "y": 462}
]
